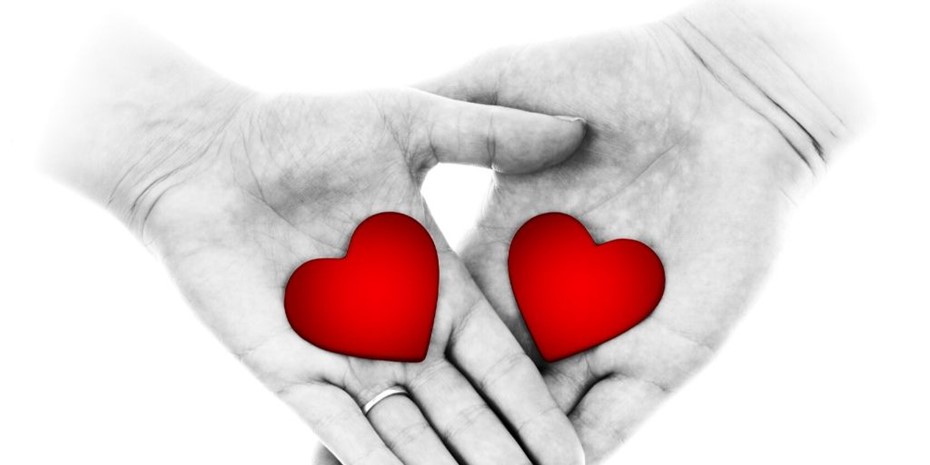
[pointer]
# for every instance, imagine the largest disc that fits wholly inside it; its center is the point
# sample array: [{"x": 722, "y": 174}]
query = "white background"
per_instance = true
[{"x": 102, "y": 362}]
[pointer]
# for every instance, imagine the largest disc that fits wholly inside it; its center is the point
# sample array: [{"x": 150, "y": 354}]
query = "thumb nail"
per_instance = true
[{"x": 572, "y": 119}]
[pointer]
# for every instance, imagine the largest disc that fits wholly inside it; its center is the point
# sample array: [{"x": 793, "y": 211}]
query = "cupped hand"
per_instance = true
[{"x": 687, "y": 152}]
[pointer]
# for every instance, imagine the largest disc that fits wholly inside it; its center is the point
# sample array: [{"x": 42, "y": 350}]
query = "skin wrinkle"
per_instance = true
[
  {"x": 491, "y": 145},
  {"x": 492, "y": 98},
  {"x": 408, "y": 434},
  {"x": 662, "y": 388},
  {"x": 289, "y": 388},
  {"x": 520, "y": 428},
  {"x": 147, "y": 153},
  {"x": 612, "y": 196},
  {"x": 577, "y": 384},
  {"x": 402, "y": 141},
  {"x": 798, "y": 150},
  {"x": 231, "y": 160},
  {"x": 157, "y": 181},
  {"x": 463, "y": 324},
  {"x": 740, "y": 98},
  {"x": 385, "y": 186},
  {"x": 247, "y": 153},
  {"x": 466, "y": 418},
  {"x": 787, "y": 197},
  {"x": 585, "y": 389},
  {"x": 500, "y": 367},
  {"x": 584, "y": 384},
  {"x": 245, "y": 354},
  {"x": 272, "y": 112},
  {"x": 258, "y": 185},
  {"x": 458, "y": 134},
  {"x": 589, "y": 367},
  {"x": 111, "y": 198},
  {"x": 334, "y": 248},
  {"x": 434, "y": 154},
  {"x": 791, "y": 68},
  {"x": 387, "y": 122},
  {"x": 816, "y": 143},
  {"x": 347, "y": 376},
  {"x": 149, "y": 242},
  {"x": 264, "y": 201},
  {"x": 424, "y": 375},
  {"x": 699, "y": 343},
  {"x": 233, "y": 114}
]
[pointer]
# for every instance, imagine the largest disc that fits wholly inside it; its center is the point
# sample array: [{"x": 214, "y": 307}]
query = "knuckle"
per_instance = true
[
  {"x": 509, "y": 364},
  {"x": 537, "y": 419},
  {"x": 491, "y": 138},
  {"x": 466, "y": 420},
  {"x": 407, "y": 435},
  {"x": 428, "y": 374}
]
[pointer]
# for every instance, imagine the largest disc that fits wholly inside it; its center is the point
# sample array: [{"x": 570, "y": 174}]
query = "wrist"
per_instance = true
[
  {"x": 766, "y": 61},
  {"x": 141, "y": 117}
]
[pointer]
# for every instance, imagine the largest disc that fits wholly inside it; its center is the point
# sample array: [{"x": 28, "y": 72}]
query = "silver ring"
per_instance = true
[{"x": 384, "y": 395}]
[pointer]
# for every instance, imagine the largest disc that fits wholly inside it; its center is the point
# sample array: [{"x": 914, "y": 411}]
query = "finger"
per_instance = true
[
  {"x": 505, "y": 139},
  {"x": 609, "y": 412},
  {"x": 338, "y": 421},
  {"x": 494, "y": 362},
  {"x": 407, "y": 433},
  {"x": 464, "y": 421}
]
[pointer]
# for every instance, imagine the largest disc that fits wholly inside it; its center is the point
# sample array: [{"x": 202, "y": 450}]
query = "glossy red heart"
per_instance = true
[
  {"x": 575, "y": 294},
  {"x": 378, "y": 301}
]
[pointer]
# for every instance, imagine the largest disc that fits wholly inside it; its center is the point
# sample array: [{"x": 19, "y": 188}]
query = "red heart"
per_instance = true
[
  {"x": 575, "y": 294},
  {"x": 378, "y": 301}
]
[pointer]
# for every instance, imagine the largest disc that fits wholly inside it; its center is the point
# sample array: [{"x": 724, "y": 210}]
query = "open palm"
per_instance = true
[
  {"x": 287, "y": 179},
  {"x": 674, "y": 157}
]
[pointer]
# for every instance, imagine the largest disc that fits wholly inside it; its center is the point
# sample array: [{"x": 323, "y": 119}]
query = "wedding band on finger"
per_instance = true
[{"x": 384, "y": 395}]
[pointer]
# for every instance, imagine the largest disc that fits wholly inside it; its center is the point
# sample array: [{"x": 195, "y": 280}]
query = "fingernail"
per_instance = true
[{"x": 572, "y": 119}]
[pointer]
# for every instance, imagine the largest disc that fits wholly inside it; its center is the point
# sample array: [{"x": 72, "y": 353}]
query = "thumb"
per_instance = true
[{"x": 504, "y": 139}]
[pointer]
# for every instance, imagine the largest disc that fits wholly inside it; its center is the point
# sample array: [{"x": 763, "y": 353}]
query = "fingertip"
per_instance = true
[
  {"x": 576, "y": 130},
  {"x": 573, "y": 453},
  {"x": 573, "y": 137},
  {"x": 576, "y": 451},
  {"x": 565, "y": 446}
]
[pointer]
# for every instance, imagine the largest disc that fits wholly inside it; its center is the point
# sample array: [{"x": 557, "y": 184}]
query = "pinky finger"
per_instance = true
[{"x": 340, "y": 424}]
